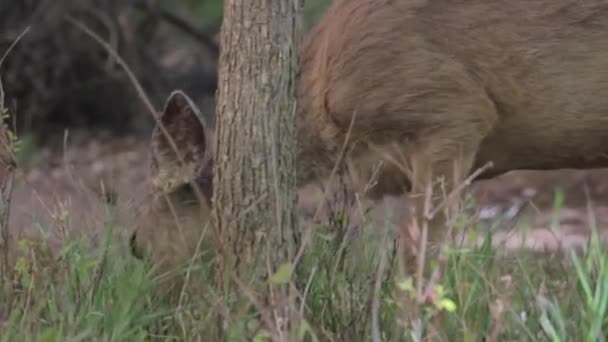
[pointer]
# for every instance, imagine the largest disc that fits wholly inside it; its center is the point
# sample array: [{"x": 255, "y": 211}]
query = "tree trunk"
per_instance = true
[{"x": 254, "y": 178}]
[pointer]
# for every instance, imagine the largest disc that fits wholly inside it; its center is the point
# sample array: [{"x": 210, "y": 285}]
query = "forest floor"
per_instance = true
[
  {"x": 88, "y": 173},
  {"x": 71, "y": 194}
]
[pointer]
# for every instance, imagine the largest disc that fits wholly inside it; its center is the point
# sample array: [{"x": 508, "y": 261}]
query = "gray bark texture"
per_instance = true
[{"x": 254, "y": 178}]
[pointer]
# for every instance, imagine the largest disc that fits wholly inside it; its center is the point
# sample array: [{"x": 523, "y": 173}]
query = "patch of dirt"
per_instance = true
[
  {"x": 99, "y": 178},
  {"x": 554, "y": 209},
  {"x": 80, "y": 189}
]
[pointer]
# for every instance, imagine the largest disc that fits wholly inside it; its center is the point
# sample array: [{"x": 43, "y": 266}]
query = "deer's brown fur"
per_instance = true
[{"x": 522, "y": 84}]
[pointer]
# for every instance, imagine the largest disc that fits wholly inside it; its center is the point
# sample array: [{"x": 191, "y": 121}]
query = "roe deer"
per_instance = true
[{"x": 521, "y": 83}]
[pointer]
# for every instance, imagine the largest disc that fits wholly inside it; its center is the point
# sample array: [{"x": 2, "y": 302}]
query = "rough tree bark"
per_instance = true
[{"x": 254, "y": 177}]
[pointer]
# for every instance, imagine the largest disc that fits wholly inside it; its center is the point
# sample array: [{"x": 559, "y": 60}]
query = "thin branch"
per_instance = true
[{"x": 326, "y": 192}]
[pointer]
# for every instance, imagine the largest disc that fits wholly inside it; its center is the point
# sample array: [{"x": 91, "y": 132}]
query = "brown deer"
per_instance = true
[{"x": 434, "y": 83}]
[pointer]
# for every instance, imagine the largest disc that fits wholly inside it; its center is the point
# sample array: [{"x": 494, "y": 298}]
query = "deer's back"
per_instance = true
[{"x": 407, "y": 67}]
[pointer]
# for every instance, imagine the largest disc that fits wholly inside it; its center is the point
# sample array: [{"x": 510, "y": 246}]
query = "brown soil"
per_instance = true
[{"x": 76, "y": 191}]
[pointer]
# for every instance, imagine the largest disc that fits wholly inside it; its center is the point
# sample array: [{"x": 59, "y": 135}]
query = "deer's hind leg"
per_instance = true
[{"x": 439, "y": 168}]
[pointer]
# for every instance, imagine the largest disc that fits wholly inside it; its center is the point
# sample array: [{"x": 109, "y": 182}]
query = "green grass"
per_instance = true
[{"x": 93, "y": 290}]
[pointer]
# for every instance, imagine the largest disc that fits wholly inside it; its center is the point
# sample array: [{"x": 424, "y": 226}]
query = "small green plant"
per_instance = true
[{"x": 94, "y": 290}]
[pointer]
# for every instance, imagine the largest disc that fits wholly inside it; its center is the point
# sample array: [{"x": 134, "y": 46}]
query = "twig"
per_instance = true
[
  {"x": 10, "y": 48},
  {"x": 140, "y": 93},
  {"x": 264, "y": 314},
  {"x": 325, "y": 193},
  {"x": 191, "y": 266},
  {"x": 7, "y": 193},
  {"x": 377, "y": 288},
  {"x": 7, "y": 184},
  {"x": 306, "y": 289},
  {"x": 459, "y": 188},
  {"x": 423, "y": 240}
]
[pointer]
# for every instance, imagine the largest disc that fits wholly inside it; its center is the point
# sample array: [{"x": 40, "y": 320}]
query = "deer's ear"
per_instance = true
[{"x": 183, "y": 122}]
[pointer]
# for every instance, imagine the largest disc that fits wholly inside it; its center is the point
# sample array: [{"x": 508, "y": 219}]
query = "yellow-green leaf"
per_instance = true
[
  {"x": 283, "y": 274},
  {"x": 406, "y": 285},
  {"x": 303, "y": 330},
  {"x": 50, "y": 335},
  {"x": 447, "y": 305},
  {"x": 439, "y": 290},
  {"x": 260, "y": 337}
]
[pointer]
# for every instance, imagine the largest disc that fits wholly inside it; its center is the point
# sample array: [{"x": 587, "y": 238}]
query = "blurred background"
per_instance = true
[
  {"x": 81, "y": 147},
  {"x": 58, "y": 78},
  {"x": 83, "y": 130}
]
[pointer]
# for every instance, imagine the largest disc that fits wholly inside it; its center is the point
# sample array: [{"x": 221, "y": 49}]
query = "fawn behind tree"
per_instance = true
[{"x": 521, "y": 84}]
